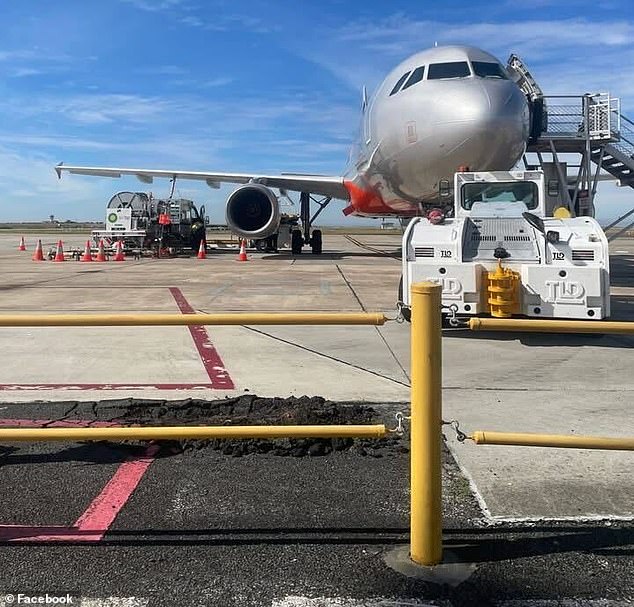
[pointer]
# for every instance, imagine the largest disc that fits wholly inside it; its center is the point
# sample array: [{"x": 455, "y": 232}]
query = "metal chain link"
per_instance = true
[
  {"x": 400, "y": 417},
  {"x": 461, "y": 437}
]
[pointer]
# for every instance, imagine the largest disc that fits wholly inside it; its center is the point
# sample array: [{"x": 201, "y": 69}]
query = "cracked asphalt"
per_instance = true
[{"x": 208, "y": 528}]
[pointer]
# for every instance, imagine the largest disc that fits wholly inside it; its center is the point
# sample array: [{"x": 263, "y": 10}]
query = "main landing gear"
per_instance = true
[{"x": 308, "y": 237}]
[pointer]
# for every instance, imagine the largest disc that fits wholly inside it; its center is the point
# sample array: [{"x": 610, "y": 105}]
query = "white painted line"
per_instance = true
[
  {"x": 622, "y": 252},
  {"x": 111, "y": 601},
  {"x": 304, "y": 601},
  {"x": 115, "y": 601},
  {"x": 564, "y": 603}
]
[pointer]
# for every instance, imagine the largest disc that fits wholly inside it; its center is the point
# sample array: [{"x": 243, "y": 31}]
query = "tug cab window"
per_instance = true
[
  {"x": 511, "y": 191},
  {"x": 398, "y": 85},
  {"x": 417, "y": 76},
  {"x": 454, "y": 69},
  {"x": 485, "y": 69}
]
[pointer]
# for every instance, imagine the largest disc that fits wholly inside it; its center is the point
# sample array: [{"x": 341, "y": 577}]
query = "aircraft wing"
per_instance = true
[{"x": 323, "y": 185}]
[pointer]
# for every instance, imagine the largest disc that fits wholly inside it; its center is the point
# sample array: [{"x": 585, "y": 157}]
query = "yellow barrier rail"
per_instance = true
[
  {"x": 518, "y": 439},
  {"x": 535, "y": 325},
  {"x": 131, "y": 320},
  {"x": 189, "y": 432}
]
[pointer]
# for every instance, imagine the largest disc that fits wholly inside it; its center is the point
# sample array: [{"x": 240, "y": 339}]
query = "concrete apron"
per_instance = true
[{"x": 496, "y": 382}]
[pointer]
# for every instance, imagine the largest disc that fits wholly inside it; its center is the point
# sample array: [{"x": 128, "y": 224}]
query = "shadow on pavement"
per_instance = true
[
  {"x": 481, "y": 545},
  {"x": 88, "y": 453}
]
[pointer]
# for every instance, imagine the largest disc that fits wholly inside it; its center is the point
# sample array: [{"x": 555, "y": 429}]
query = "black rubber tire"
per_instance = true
[
  {"x": 297, "y": 242},
  {"x": 316, "y": 242},
  {"x": 261, "y": 245}
]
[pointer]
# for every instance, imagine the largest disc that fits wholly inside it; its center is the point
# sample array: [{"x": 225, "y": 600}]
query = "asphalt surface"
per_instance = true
[
  {"x": 272, "y": 525},
  {"x": 205, "y": 528}
]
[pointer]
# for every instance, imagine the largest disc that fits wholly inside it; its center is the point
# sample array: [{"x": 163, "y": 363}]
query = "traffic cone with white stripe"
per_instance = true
[
  {"x": 101, "y": 253},
  {"x": 202, "y": 250},
  {"x": 243, "y": 251},
  {"x": 87, "y": 256},
  {"x": 38, "y": 255},
  {"x": 22, "y": 246},
  {"x": 119, "y": 255},
  {"x": 59, "y": 254}
]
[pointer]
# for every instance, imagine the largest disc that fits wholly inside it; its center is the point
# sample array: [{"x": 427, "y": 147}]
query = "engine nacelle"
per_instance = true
[{"x": 253, "y": 211}]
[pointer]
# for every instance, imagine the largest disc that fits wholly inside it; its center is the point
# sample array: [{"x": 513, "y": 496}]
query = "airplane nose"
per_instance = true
[
  {"x": 499, "y": 123},
  {"x": 506, "y": 102}
]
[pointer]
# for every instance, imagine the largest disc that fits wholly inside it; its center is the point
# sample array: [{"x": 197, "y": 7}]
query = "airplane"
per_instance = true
[{"x": 441, "y": 110}]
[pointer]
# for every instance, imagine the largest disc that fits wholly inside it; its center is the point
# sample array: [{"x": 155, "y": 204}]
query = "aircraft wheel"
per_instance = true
[
  {"x": 315, "y": 242},
  {"x": 297, "y": 242}
]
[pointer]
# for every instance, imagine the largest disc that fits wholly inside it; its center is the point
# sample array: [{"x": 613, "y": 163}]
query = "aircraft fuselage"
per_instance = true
[{"x": 440, "y": 109}]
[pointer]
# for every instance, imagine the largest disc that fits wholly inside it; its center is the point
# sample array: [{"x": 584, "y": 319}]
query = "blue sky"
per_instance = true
[{"x": 250, "y": 85}]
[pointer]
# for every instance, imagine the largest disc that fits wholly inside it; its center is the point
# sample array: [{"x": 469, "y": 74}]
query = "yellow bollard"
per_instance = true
[{"x": 426, "y": 485}]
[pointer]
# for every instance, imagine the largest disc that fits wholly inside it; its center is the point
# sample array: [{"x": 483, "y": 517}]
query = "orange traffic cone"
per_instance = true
[
  {"x": 59, "y": 254},
  {"x": 202, "y": 250},
  {"x": 119, "y": 255},
  {"x": 87, "y": 256},
  {"x": 38, "y": 255},
  {"x": 22, "y": 246},
  {"x": 101, "y": 254},
  {"x": 243, "y": 251}
]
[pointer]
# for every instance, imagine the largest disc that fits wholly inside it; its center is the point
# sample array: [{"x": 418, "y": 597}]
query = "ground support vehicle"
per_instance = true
[{"x": 500, "y": 255}]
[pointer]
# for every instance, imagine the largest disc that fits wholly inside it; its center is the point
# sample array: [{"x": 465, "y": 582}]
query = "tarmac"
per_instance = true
[{"x": 532, "y": 517}]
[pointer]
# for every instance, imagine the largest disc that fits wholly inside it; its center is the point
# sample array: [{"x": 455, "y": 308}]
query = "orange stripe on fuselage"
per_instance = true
[{"x": 370, "y": 202}]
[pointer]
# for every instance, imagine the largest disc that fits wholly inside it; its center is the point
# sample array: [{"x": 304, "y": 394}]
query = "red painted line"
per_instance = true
[
  {"x": 209, "y": 356},
  {"x": 33, "y": 533},
  {"x": 94, "y": 523},
  {"x": 22, "y": 387}
]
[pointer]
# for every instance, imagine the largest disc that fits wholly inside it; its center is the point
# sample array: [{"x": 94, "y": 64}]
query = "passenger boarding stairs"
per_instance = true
[
  {"x": 593, "y": 126},
  {"x": 590, "y": 125},
  {"x": 618, "y": 156}
]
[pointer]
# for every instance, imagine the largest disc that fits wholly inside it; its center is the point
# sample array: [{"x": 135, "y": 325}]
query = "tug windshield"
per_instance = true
[{"x": 508, "y": 191}]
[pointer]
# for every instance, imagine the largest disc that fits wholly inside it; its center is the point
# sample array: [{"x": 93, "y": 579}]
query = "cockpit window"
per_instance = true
[
  {"x": 398, "y": 85},
  {"x": 455, "y": 69},
  {"x": 417, "y": 76},
  {"x": 512, "y": 191},
  {"x": 484, "y": 69}
]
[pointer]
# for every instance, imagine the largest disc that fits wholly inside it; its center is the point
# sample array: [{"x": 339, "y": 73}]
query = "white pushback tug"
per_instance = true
[{"x": 500, "y": 255}]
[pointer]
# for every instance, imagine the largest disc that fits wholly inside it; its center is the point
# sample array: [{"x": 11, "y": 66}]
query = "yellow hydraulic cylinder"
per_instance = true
[
  {"x": 426, "y": 419},
  {"x": 132, "y": 320},
  {"x": 191, "y": 432},
  {"x": 503, "y": 292},
  {"x": 484, "y": 437},
  {"x": 550, "y": 326}
]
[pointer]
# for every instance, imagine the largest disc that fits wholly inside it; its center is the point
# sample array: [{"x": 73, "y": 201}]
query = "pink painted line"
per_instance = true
[
  {"x": 94, "y": 523},
  {"x": 78, "y": 387},
  {"x": 209, "y": 356},
  {"x": 104, "y": 509}
]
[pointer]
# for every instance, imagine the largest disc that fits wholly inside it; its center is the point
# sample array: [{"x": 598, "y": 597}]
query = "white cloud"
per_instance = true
[
  {"x": 30, "y": 189},
  {"x": 362, "y": 52},
  {"x": 22, "y": 72},
  {"x": 156, "y": 5}
]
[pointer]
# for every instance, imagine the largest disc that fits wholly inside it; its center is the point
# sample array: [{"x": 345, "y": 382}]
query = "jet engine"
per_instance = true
[{"x": 253, "y": 211}]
